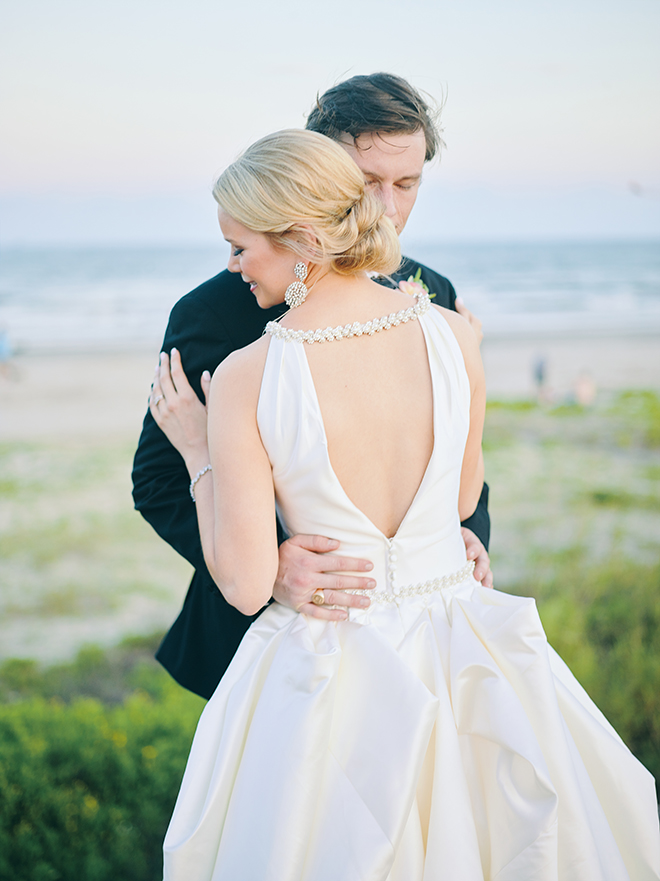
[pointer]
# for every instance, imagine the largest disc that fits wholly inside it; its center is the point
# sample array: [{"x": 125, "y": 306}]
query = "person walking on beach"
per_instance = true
[
  {"x": 389, "y": 130},
  {"x": 433, "y": 735}
]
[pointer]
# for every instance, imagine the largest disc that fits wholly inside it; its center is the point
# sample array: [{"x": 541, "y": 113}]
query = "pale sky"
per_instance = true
[{"x": 117, "y": 115}]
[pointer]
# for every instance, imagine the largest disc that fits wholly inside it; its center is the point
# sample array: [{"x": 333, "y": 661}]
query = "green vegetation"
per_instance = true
[
  {"x": 88, "y": 787},
  {"x": 641, "y": 412},
  {"x": 579, "y": 478},
  {"x": 109, "y": 676},
  {"x": 77, "y": 563},
  {"x": 575, "y": 507},
  {"x": 604, "y": 621},
  {"x": 622, "y": 499}
]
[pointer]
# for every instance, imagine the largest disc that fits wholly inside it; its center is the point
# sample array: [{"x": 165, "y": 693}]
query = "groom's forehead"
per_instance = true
[{"x": 401, "y": 154}]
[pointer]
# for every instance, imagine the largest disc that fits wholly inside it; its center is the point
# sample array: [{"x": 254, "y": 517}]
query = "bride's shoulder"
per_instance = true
[
  {"x": 465, "y": 335},
  {"x": 460, "y": 326},
  {"x": 242, "y": 370}
]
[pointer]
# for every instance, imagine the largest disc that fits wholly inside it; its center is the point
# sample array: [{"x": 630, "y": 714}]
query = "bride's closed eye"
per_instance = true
[{"x": 236, "y": 251}]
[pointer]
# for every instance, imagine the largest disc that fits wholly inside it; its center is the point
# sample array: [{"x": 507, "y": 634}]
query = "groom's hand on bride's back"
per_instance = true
[{"x": 308, "y": 564}]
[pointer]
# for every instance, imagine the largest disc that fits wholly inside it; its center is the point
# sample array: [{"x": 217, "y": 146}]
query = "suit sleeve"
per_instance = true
[
  {"x": 479, "y": 522},
  {"x": 160, "y": 478},
  {"x": 440, "y": 287}
]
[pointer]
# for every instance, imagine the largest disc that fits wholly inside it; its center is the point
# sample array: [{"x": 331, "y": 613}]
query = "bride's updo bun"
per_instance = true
[{"x": 306, "y": 193}]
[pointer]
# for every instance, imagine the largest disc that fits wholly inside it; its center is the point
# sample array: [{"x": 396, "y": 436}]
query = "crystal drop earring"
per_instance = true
[{"x": 297, "y": 291}]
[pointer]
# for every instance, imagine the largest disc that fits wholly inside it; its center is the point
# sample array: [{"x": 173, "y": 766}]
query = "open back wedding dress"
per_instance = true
[{"x": 432, "y": 737}]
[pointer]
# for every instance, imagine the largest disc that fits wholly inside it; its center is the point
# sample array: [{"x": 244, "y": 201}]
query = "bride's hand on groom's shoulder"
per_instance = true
[{"x": 177, "y": 410}]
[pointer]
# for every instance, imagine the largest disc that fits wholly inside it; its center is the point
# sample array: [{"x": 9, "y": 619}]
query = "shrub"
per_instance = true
[
  {"x": 110, "y": 675},
  {"x": 605, "y": 623},
  {"x": 88, "y": 789}
]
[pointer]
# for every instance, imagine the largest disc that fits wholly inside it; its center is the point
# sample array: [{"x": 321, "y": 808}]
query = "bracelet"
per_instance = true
[{"x": 196, "y": 478}]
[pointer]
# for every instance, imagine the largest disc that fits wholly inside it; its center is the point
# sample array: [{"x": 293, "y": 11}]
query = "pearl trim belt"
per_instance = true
[
  {"x": 350, "y": 330},
  {"x": 423, "y": 589}
]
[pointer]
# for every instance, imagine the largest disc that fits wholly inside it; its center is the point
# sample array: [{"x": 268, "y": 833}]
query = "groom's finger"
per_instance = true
[
  {"x": 340, "y": 597},
  {"x": 330, "y": 581},
  {"x": 325, "y": 571},
  {"x": 322, "y": 560},
  {"x": 318, "y": 544},
  {"x": 333, "y": 563},
  {"x": 336, "y": 597},
  {"x": 335, "y": 590},
  {"x": 326, "y": 613}
]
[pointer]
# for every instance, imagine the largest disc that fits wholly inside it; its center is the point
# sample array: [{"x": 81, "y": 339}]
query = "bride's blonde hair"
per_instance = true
[{"x": 294, "y": 180}]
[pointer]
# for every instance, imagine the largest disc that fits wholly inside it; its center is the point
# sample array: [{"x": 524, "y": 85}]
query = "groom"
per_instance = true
[{"x": 388, "y": 129}]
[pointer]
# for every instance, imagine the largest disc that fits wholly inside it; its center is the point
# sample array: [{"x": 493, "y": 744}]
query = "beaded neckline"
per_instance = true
[{"x": 345, "y": 331}]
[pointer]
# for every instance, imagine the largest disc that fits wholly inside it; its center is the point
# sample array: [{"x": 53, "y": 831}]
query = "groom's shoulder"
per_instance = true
[
  {"x": 437, "y": 284},
  {"x": 225, "y": 292},
  {"x": 222, "y": 305}
]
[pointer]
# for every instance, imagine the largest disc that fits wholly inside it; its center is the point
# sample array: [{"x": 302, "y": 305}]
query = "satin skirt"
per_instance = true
[{"x": 438, "y": 740}]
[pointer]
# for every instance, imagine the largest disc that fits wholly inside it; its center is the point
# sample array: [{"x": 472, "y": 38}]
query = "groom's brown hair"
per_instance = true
[{"x": 380, "y": 102}]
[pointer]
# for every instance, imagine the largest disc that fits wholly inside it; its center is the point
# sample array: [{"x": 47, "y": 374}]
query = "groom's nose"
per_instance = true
[{"x": 386, "y": 196}]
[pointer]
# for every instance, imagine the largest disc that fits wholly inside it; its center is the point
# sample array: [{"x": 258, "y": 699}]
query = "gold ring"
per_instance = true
[{"x": 318, "y": 597}]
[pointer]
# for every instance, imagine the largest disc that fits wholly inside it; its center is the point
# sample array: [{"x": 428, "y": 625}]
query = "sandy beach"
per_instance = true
[
  {"x": 59, "y": 396},
  {"x": 613, "y": 361},
  {"x": 67, "y": 396}
]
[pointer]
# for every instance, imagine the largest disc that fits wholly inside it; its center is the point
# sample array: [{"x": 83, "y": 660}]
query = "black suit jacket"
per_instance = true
[{"x": 206, "y": 325}]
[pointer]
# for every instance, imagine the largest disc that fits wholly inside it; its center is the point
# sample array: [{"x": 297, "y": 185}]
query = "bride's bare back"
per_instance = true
[
  {"x": 376, "y": 399},
  {"x": 375, "y": 396}
]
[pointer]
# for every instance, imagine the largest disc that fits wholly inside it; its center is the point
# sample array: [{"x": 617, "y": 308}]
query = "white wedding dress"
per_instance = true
[{"x": 433, "y": 737}]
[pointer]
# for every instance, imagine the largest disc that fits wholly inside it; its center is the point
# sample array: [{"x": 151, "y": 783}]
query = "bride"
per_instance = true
[{"x": 434, "y": 734}]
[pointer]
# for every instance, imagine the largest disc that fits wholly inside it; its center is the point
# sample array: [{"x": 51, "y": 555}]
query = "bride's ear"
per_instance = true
[{"x": 304, "y": 234}]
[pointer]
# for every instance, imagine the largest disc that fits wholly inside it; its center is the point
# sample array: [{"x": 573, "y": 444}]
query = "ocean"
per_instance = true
[{"x": 118, "y": 299}]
